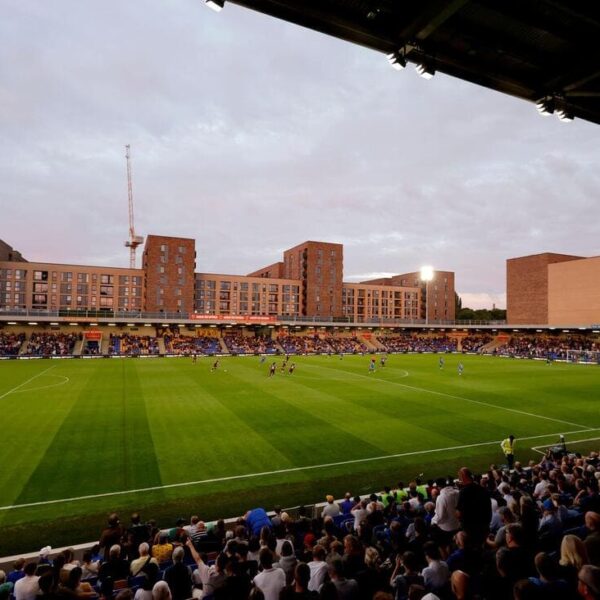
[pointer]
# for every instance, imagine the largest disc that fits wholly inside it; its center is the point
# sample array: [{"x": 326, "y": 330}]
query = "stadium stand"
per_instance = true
[
  {"x": 487, "y": 536},
  {"x": 132, "y": 345},
  {"x": 346, "y": 345},
  {"x": 475, "y": 342},
  {"x": 186, "y": 345},
  {"x": 10, "y": 343},
  {"x": 51, "y": 344},
  {"x": 242, "y": 344},
  {"x": 554, "y": 347},
  {"x": 417, "y": 343}
]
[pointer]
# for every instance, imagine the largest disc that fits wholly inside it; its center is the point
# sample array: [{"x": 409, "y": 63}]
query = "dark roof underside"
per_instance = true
[{"x": 527, "y": 48}]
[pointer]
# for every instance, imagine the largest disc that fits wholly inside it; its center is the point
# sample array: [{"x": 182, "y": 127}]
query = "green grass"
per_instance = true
[{"x": 76, "y": 428}]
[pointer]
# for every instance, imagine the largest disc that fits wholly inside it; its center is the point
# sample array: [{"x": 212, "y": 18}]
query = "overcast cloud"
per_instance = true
[{"x": 252, "y": 135}]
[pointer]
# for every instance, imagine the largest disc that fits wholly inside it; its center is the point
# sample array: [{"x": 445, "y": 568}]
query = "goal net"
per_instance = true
[{"x": 588, "y": 357}]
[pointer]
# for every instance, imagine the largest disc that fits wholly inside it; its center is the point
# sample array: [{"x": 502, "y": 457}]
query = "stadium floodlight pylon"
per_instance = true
[{"x": 134, "y": 240}]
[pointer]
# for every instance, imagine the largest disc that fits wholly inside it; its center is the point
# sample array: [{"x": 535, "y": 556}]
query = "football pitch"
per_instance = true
[{"x": 171, "y": 438}]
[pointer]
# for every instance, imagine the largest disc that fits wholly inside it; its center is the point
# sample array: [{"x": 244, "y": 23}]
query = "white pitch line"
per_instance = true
[
  {"x": 536, "y": 448},
  {"x": 45, "y": 387},
  {"x": 276, "y": 472},
  {"x": 419, "y": 389},
  {"x": 26, "y": 382}
]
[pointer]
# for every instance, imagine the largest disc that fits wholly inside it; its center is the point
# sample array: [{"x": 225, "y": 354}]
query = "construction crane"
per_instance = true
[{"x": 134, "y": 240}]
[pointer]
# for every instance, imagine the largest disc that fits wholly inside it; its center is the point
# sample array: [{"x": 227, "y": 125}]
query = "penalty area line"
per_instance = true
[
  {"x": 26, "y": 382},
  {"x": 537, "y": 448},
  {"x": 276, "y": 472}
]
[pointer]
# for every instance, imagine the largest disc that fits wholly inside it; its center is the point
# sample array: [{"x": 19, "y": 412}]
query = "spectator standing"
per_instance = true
[
  {"x": 27, "y": 588},
  {"x": 474, "y": 508},
  {"x": 178, "y": 576},
  {"x": 508, "y": 447},
  {"x": 270, "y": 580}
]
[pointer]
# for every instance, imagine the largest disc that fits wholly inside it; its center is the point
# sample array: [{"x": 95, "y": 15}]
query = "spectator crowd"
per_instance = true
[
  {"x": 51, "y": 344},
  {"x": 10, "y": 343},
  {"x": 526, "y": 534}
]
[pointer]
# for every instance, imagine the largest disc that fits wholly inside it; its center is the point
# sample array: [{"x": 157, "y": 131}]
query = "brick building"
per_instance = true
[
  {"x": 553, "y": 289},
  {"x": 169, "y": 264},
  {"x": 319, "y": 266},
  {"x": 527, "y": 287},
  {"x": 441, "y": 291},
  {"x": 307, "y": 282}
]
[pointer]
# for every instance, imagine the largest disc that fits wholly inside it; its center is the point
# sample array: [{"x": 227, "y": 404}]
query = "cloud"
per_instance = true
[{"x": 252, "y": 135}]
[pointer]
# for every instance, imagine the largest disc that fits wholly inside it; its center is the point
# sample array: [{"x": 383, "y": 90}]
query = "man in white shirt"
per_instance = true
[
  {"x": 269, "y": 581},
  {"x": 27, "y": 587},
  {"x": 331, "y": 509},
  {"x": 318, "y": 569},
  {"x": 445, "y": 511}
]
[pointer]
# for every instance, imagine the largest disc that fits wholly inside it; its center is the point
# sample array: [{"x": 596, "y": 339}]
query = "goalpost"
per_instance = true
[{"x": 586, "y": 357}]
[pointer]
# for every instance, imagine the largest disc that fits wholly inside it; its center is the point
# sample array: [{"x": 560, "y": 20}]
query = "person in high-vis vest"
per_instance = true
[{"x": 508, "y": 447}]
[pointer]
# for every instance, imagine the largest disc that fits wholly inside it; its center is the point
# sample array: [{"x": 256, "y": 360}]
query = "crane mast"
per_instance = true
[{"x": 134, "y": 240}]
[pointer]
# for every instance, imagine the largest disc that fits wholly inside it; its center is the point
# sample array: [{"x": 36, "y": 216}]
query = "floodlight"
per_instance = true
[
  {"x": 426, "y": 71},
  {"x": 426, "y": 273},
  {"x": 565, "y": 115},
  {"x": 397, "y": 60},
  {"x": 545, "y": 106},
  {"x": 216, "y": 5}
]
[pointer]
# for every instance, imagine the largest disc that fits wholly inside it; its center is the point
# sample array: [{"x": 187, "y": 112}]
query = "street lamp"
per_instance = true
[{"x": 426, "y": 276}]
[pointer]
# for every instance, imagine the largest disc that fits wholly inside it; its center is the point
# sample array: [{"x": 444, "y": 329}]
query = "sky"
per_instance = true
[{"x": 252, "y": 135}]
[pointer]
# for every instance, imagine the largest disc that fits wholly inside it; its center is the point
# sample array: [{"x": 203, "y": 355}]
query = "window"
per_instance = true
[
  {"x": 106, "y": 290},
  {"x": 163, "y": 247},
  {"x": 20, "y": 274},
  {"x": 225, "y": 285},
  {"x": 106, "y": 279},
  {"x": 82, "y": 277},
  {"x": 40, "y": 275}
]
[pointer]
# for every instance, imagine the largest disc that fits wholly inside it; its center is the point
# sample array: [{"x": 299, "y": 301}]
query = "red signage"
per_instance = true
[
  {"x": 242, "y": 318},
  {"x": 92, "y": 334}
]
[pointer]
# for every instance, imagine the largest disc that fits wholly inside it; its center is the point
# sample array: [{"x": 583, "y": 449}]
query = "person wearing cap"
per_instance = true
[
  {"x": 331, "y": 509},
  {"x": 508, "y": 447}
]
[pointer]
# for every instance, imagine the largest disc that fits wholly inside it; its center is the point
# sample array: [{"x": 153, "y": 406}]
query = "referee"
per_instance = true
[{"x": 508, "y": 447}]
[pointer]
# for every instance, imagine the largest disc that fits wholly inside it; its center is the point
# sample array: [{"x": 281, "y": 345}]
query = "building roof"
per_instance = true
[{"x": 531, "y": 49}]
